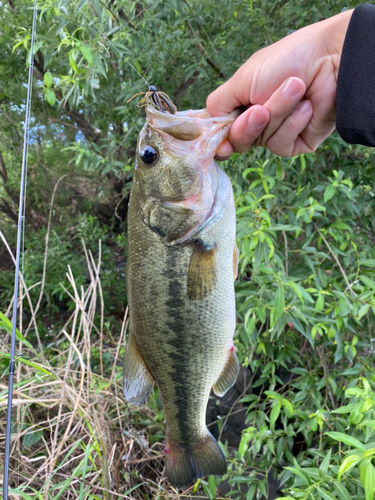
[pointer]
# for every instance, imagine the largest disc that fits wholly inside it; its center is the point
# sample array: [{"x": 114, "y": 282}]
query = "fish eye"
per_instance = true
[{"x": 148, "y": 155}]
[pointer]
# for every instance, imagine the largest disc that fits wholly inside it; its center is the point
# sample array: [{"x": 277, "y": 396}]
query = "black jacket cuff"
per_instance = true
[{"x": 355, "y": 98}]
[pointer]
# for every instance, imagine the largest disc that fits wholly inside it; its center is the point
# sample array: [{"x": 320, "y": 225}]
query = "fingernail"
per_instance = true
[
  {"x": 257, "y": 119},
  {"x": 304, "y": 106},
  {"x": 292, "y": 87}
]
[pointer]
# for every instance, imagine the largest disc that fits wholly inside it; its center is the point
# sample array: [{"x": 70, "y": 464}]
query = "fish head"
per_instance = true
[{"x": 175, "y": 173}]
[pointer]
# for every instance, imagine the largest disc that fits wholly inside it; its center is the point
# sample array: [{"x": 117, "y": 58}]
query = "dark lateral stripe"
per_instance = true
[{"x": 175, "y": 304}]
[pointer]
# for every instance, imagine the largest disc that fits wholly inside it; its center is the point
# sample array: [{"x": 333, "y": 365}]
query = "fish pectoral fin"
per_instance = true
[
  {"x": 228, "y": 376},
  {"x": 236, "y": 254},
  {"x": 138, "y": 382},
  {"x": 202, "y": 273}
]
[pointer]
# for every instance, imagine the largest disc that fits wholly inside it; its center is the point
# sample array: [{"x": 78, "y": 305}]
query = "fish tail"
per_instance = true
[{"x": 203, "y": 458}]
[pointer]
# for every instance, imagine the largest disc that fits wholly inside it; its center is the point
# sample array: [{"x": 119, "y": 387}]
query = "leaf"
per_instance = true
[
  {"x": 343, "y": 492},
  {"x": 273, "y": 395},
  {"x": 50, "y": 97},
  {"x": 284, "y": 227},
  {"x": 366, "y": 281},
  {"x": 368, "y": 263},
  {"x": 329, "y": 192},
  {"x": 251, "y": 492},
  {"x": 346, "y": 409},
  {"x": 319, "y": 303},
  {"x": 72, "y": 62},
  {"x": 48, "y": 80},
  {"x": 275, "y": 412},
  {"x": 288, "y": 407},
  {"x": 368, "y": 423},
  {"x": 324, "y": 465},
  {"x": 31, "y": 438},
  {"x": 243, "y": 445},
  {"x": 196, "y": 486},
  {"x": 298, "y": 472},
  {"x": 80, "y": 5},
  {"x": 23, "y": 495},
  {"x": 6, "y": 324},
  {"x": 369, "y": 483},
  {"x": 347, "y": 464},
  {"x": 212, "y": 485},
  {"x": 340, "y": 225},
  {"x": 325, "y": 494},
  {"x": 349, "y": 440},
  {"x": 364, "y": 310},
  {"x": 279, "y": 304},
  {"x": 37, "y": 367},
  {"x": 87, "y": 54}
]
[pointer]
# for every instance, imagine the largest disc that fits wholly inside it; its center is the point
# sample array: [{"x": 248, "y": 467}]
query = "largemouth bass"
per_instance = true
[{"x": 181, "y": 266}]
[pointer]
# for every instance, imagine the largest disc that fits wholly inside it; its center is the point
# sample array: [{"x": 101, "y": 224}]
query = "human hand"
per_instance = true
[{"x": 289, "y": 90}]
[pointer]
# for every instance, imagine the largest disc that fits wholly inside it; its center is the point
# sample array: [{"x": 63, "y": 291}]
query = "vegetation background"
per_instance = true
[{"x": 304, "y": 405}]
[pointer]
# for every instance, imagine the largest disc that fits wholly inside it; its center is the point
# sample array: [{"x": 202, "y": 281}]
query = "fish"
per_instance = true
[{"x": 181, "y": 267}]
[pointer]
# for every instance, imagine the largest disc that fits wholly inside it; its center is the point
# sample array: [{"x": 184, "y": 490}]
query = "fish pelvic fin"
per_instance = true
[
  {"x": 138, "y": 382},
  {"x": 228, "y": 376},
  {"x": 186, "y": 464},
  {"x": 202, "y": 274}
]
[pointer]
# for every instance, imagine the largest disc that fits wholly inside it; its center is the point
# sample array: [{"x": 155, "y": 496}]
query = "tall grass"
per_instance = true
[{"x": 73, "y": 435}]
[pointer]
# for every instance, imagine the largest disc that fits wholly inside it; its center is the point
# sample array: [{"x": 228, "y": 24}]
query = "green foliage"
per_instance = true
[
  {"x": 306, "y": 286},
  {"x": 305, "y": 303}
]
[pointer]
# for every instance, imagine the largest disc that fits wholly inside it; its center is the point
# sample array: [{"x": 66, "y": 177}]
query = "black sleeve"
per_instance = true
[{"x": 355, "y": 99}]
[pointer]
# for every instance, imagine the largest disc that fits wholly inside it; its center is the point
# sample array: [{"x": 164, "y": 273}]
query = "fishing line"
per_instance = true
[
  {"x": 21, "y": 218},
  {"x": 109, "y": 41}
]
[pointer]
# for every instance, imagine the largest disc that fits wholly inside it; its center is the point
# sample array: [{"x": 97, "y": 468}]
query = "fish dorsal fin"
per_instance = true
[
  {"x": 228, "y": 376},
  {"x": 202, "y": 274},
  {"x": 138, "y": 382},
  {"x": 236, "y": 254}
]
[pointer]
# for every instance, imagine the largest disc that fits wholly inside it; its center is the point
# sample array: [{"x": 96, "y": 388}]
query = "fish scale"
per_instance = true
[{"x": 180, "y": 293}]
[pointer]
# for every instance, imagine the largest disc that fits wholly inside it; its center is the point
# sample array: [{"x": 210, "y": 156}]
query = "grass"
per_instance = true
[{"x": 73, "y": 434}]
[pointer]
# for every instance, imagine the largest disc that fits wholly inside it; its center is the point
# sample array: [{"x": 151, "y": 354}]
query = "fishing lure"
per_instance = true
[{"x": 160, "y": 99}]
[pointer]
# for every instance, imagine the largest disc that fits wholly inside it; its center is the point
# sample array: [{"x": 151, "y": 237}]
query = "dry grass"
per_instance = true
[{"x": 74, "y": 436}]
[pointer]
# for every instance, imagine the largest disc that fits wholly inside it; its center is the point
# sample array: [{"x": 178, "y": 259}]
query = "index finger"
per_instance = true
[{"x": 229, "y": 96}]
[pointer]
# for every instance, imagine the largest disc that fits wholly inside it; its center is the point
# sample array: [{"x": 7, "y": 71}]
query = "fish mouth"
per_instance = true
[{"x": 189, "y": 125}]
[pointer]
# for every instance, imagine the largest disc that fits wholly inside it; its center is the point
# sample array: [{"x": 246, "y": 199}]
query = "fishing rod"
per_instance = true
[
  {"x": 21, "y": 219},
  {"x": 21, "y": 224}
]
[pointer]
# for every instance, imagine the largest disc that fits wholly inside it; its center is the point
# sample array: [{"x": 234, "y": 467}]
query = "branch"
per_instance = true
[
  {"x": 181, "y": 89},
  {"x": 3, "y": 170},
  {"x": 8, "y": 210},
  {"x": 337, "y": 261},
  {"x": 286, "y": 253},
  {"x": 56, "y": 120},
  {"x": 122, "y": 14},
  {"x": 87, "y": 129},
  {"x": 12, "y": 122},
  {"x": 202, "y": 50},
  {"x": 4, "y": 176}
]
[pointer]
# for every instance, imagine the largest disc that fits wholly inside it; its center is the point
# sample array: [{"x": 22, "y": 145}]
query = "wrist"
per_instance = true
[{"x": 334, "y": 32}]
